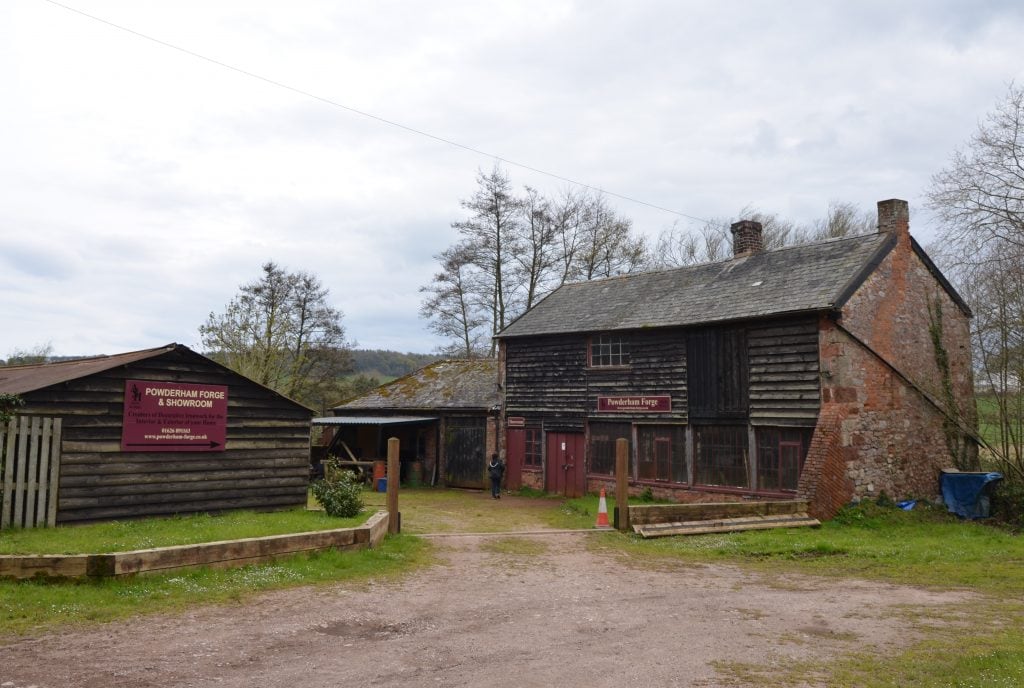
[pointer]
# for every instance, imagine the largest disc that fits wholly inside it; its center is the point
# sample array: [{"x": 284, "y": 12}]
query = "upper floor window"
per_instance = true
[{"x": 607, "y": 350}]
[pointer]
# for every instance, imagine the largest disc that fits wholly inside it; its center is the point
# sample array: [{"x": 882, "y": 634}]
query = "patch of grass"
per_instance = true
[
  {"x": 35, "y": 605},
  {"x": 120, "y": 536},
  {"x": 921, "y": 547},
  {"x": 993, "y": 657}
]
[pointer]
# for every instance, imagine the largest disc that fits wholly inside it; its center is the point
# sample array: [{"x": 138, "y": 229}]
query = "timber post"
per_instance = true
[
  {"x": 622, "y": 484},
  {"x": 394, "y": 471}
]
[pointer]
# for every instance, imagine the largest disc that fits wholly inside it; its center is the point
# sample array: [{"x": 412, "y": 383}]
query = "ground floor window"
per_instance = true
[
  {"x": 661, "y": 453},
  {"x": 721, "y": 456},
  {"x": 780, "y": 457},
  {"x": 532, "y": 449},
  {"x": 601, "y": 452}
]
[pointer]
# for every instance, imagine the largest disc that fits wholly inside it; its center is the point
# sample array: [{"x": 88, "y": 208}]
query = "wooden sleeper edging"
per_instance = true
[{"x": 223, "y": 554}]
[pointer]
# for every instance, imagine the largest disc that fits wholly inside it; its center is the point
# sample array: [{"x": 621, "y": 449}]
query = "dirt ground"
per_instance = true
[{"x": 501, "y": 610}]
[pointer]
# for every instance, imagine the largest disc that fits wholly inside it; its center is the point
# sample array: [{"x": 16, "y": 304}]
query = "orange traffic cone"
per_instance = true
[{"x": 602, "y": 512}]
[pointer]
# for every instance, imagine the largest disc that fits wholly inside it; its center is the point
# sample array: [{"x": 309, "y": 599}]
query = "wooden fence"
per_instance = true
[{"x": 29, "y": 472}]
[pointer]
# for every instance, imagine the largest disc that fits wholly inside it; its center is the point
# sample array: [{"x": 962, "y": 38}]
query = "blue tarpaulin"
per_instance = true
[{"x": 966, "y": 494}]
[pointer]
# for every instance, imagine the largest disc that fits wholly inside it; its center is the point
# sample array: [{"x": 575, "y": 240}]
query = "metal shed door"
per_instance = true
[{"x": 465, "y": 445}]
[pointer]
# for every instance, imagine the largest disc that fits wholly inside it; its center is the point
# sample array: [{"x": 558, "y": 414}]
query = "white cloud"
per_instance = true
[{"x": 139, "y": 186}]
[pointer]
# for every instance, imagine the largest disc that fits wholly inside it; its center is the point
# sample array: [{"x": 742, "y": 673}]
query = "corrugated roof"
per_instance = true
[
  {"x": 794, "y": 279},
  {"x": 452, "y": 385},
  {"x": 28, "y": 378}
]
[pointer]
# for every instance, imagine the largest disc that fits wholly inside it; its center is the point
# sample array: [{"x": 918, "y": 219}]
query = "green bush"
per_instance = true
[{"x": 341, "y": 494}]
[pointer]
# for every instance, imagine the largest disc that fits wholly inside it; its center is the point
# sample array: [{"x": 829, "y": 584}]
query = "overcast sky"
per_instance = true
[{"x": 140, "y": 185}]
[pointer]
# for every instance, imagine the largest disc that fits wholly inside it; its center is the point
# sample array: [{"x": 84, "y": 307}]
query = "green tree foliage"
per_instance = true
[
  {"x": 8, "y": 405},
  {"x": 280, "y": 331}
]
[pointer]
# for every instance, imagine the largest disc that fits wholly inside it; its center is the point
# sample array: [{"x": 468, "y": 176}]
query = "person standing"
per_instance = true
[{"x": 495, "y": 469}]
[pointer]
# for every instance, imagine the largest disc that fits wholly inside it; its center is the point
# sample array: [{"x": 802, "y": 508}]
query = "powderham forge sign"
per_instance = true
[{"x": 174, "y": 417}]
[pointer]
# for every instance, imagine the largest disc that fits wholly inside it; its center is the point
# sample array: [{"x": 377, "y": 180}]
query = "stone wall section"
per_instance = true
[{"x": 879, "y": 427}]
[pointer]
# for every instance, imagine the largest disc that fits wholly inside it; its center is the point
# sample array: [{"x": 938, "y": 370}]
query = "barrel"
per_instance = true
[
  {"x": 380, "y": 469},
  {"x": 415, "y": 476}
]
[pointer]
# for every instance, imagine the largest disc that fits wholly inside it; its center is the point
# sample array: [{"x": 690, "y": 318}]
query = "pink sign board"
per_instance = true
[
  {"x": 174, "y": 417},
  {"x": 635, "y": 404}
]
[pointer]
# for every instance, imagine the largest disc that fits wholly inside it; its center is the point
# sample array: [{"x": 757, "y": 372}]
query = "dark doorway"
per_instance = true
[
  {"x": 565, "y": 473},
  {"x": 465, "y": 445}
]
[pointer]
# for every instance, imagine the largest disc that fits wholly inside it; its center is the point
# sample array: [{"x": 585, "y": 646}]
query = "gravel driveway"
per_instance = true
[{"x": 531, "y": 610}]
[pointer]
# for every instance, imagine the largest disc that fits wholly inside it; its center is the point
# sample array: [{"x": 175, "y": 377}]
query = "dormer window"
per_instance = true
[{"x": 608, "y": 351}]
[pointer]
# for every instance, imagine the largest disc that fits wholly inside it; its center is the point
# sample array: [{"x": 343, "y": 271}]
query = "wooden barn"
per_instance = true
[
  {"x": 162, "y": 431},
  {"x": 832, "y": 371},
  {"x": 445, "y": 416}
]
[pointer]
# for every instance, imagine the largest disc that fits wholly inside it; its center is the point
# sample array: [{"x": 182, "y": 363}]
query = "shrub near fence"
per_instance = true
[{"x": 29, "y": 471}]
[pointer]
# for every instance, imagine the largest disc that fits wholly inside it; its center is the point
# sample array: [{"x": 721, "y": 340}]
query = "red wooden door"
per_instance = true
[{"x": 564, "y": 457}]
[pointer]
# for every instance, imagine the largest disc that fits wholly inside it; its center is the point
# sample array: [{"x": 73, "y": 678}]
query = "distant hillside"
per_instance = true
[{"x": 381, "y": 364}]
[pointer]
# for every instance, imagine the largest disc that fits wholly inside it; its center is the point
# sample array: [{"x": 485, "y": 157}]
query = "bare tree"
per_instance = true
[
  {"x": 678, "y": 246},
  {"x": 453, "y": 306},
  {"x": 537, "y": 260},
  {"x": 514, "y": 250},
  {"x": 979, "y": 200},
  {"x": 979, "y": 196},
  {"x": 493, "y": 232},
  {"x": 39, "y": 353},
  {"x": 280, "y": 331},
  {"x": 608, "y": 246},
  {"x": 842, "y": 219}
]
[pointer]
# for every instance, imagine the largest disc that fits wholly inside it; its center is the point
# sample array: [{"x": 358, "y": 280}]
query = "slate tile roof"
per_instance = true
[
  {"x": 470, "y": 385},
  {"x": 794, "y": 279}
]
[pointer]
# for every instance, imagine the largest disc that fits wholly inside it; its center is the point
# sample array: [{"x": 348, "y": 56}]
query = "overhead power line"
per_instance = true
[{"x": 369, "y": 115}]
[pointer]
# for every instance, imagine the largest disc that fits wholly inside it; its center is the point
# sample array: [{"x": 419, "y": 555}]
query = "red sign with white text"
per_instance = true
[
  {"x": 174, "y": 417},
  {"x": 635, "y": 404}
]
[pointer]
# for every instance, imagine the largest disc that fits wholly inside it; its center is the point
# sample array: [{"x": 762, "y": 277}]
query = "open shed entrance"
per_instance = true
[{"x": 358, "y": 441}]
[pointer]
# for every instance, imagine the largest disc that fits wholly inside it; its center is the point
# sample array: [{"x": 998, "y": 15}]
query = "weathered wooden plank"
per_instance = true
[
  {"x": 151, "y": 487},
  {"x": 30, "y": 566},
  {"x": 8, "y": 436},
  {"x": 668, "y": 513},
  {"x": 727, "y": 525},
  {"x": 214, "y": 506},
  {"x": 92, "y": 481},
  {"x": 94, "y": 467},
  {"x": 54, "y": 477},
  {"x": 155, "y": 497},
  {"x": 42, "y": 490},
  {"x": 21, "y": 471}
]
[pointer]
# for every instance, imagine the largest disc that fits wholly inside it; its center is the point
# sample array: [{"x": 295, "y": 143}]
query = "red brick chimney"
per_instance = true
[
  {"x": 894, "y": 217},
  {"x": 746, "y": 238}
]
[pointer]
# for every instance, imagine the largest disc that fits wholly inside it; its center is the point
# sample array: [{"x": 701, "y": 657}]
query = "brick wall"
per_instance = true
[{"x": 881, "y": 427}]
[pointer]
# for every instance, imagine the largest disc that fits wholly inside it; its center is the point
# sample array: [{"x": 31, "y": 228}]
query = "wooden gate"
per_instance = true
[
  {"x": 465, "y": 445},
  {"x": 30, "y": 461},
  {"x": 565, "y": 473}
]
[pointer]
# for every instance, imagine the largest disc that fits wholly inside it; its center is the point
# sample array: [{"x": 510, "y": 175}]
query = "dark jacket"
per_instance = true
[{"x": 495, "y": 471}]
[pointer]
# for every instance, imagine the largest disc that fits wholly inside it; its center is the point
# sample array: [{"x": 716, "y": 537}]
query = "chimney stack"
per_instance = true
[
  {"x": 746, "y": 238},
  {"x": 894, "y": 217}
]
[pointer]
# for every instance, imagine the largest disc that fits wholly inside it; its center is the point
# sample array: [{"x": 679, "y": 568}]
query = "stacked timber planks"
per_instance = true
[{"x": 663, "y": 520}]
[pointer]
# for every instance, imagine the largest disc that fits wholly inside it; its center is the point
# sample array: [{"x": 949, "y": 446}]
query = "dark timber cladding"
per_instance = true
[{"x": 264, "y": 463}]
